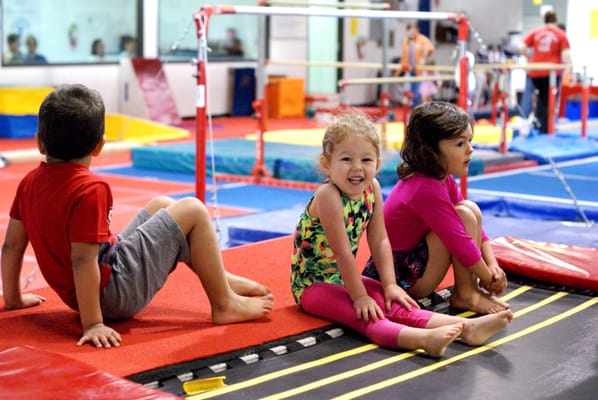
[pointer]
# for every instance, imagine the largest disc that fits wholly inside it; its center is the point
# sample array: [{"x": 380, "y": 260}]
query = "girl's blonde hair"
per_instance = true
[{"x": 353, "y": 124}]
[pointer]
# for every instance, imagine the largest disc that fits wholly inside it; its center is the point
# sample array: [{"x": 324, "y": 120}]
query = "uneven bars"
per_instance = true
[
  {"x": 324, "y": 12},
  {"x": 202, "y": 16},
  {"x": 332, "y": 64},
  {"x": 398, "y": 79},
  {"x": 374, "y": 6}
]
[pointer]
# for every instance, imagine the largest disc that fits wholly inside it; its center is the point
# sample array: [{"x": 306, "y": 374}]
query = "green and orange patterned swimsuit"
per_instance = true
[{"x": 312, "y": 260}]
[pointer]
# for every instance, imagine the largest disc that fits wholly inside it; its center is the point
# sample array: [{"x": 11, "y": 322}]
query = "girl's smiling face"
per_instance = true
[
  {"x": 456, "y": 153},
  {"x": 352, "y": 165}
]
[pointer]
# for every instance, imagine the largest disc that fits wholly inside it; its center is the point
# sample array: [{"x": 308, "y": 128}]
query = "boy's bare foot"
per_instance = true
[
  {"x": 241, "y": 308},
  {"x": 478, "y": 302},
  {"x": 246, "y": 287},
  {"x": 438, "y": 339},
  {"x": 477, "y": 330}
]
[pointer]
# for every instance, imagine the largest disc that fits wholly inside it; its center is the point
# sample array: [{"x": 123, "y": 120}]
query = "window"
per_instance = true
[
  {"x": 69, "y": 31},
  {"x": 230, "y": 37}
]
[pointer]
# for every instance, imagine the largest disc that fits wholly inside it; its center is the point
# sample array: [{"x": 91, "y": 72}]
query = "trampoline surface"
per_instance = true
[{"x": 549, "y": 351}]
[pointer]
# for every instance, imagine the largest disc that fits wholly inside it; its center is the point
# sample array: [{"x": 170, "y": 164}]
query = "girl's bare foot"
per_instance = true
[
  {"x": 438, "y": 339},
  {"x": 240, "y": 308},
  {"x": 478, "y": 302},
  {"x": 434, "y": 341},
  {"x": 477, "y": 330},
  {"x": 246, "y": 287}
]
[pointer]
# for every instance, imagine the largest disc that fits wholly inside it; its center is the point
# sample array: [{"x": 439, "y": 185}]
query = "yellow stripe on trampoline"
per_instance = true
[
  {"x": 284, "y": 372},
  {"x": 326, "y": 360},
  {"x": 387, "y": 361},
  {"x": 401, "y": 378}
]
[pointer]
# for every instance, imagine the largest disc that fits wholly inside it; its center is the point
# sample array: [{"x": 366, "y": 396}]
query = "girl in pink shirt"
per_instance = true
[{"x": 429, "y": 224}]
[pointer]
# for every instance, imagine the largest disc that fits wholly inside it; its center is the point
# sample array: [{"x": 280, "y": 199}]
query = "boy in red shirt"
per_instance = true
[{"x": 64, "y": 210}]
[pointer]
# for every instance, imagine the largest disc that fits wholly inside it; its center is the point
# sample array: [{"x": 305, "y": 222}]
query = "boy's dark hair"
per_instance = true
[
  {"x": 71, "y": 122},
  {"x": 550, "y": 17},
  {"x": 430, "y": 123}
]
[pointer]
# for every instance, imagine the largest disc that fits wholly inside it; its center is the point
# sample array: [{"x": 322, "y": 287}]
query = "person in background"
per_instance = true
[
  {"x": 128, "y": 46},
  {"x": 13, "y": 55},
  {"x": 546, "y": 44},
  {"x": 429, "y": 89},
  {"x": 430, "y": 225},
  {"x": 63, "y": 209},
  {"x": 416, "y": 49},
  {"x": 32, "y": 57},
  {"x": 325, "y": 277},
  {"x": 98, "y": 51},
  {"x": 232, "y": 44}
]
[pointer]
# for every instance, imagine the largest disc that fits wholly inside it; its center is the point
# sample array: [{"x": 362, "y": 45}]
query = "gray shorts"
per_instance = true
[{"x": 149, "y": 249}]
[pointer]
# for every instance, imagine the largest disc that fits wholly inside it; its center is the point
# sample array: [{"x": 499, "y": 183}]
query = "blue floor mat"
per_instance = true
[
  {"x": 237, "y": 157},
  {"x": 560, "y": 148}
]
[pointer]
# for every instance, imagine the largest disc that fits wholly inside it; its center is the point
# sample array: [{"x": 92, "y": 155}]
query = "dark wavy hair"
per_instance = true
[
  {"x": 430, "y": 123},
  {"x": 71, "y": 122}
]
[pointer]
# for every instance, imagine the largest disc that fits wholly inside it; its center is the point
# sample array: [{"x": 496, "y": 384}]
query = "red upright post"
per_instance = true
[
  {"x": 201, "y": 97},
  {"x": 463, "y": 36}
]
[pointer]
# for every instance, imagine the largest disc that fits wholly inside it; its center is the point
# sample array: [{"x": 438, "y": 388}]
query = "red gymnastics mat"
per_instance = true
[
  {"x": 559, "y": 264},
  {"x": 176, "y": 326}
]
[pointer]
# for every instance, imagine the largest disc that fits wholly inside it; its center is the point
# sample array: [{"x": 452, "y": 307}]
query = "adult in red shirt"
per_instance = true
[{"x": 547, "y": 44}]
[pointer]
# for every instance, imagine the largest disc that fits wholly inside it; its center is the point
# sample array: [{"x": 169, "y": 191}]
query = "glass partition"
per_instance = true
[
  {"x": 69, "y": 31},
  {"x": 230, "y": 37}
]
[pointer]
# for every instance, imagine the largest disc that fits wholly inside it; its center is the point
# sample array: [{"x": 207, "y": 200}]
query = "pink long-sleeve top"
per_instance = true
[{"x": 419, "y": 204}]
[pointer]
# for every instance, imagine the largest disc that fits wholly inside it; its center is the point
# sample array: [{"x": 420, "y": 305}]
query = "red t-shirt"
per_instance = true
[
  {"x": 548, "y": 43},
  {"x": 60, "y": 204}
]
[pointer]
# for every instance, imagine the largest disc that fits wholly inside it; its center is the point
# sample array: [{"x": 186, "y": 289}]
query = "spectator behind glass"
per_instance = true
[
  {"x": 98, "y": 51},
  {"x": 32, "y": 56},
  {"x": 13, "y": 55},
  {"x": 128, "y": 46},
  {"x": 232, "y": 44}
]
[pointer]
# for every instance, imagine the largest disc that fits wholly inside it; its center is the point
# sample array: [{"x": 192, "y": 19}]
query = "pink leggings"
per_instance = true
[{"x": 332, "y": 301}]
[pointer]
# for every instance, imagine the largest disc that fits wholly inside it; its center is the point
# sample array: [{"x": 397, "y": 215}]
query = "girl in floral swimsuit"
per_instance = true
[{"x": 326, "y": 281}]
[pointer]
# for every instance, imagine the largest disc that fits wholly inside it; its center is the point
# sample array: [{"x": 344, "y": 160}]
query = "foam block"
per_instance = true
[
  {"x": 572, "y": 266},
  {"x": 30, "y": 373}
]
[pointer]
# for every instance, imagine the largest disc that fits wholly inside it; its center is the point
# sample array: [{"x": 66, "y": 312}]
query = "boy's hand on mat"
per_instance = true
[
  {"x": 395, "y": 293},
  {"x": 367, "y": 309},
  {"x": 100, "y": 335},
  {"x": 27, "y": 300}
]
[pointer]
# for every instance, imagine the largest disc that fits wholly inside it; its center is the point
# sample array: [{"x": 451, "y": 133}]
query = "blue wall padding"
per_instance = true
[
  {"x": 18, "y": 126},
  {"x": 559, "y": 148},
  {"x": 573, "y": 110},
  {"x": 237, "y": 156}
]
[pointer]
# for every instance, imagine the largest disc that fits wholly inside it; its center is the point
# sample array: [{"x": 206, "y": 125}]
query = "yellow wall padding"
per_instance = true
[
  {"x": 22, "y": 100},
  {"x": 123, "y": 127}
]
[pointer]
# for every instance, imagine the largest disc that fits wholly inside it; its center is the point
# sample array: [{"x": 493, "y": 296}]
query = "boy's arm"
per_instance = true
[
  {"x": 86, "y": 273},
  {"x": 13, "y": 250}
]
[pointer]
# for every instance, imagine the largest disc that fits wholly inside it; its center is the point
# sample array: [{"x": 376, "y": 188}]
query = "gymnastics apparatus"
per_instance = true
[
  {"x": 202, "y": 17},
  {"x": 462, "y": 73}
]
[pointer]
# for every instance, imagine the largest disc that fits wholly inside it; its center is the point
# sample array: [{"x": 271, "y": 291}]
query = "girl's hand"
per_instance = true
[
  {"x": 395, "y": 293},
  {"x": 499, "y": 281},
  {"x": 367, "y": 309}
]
